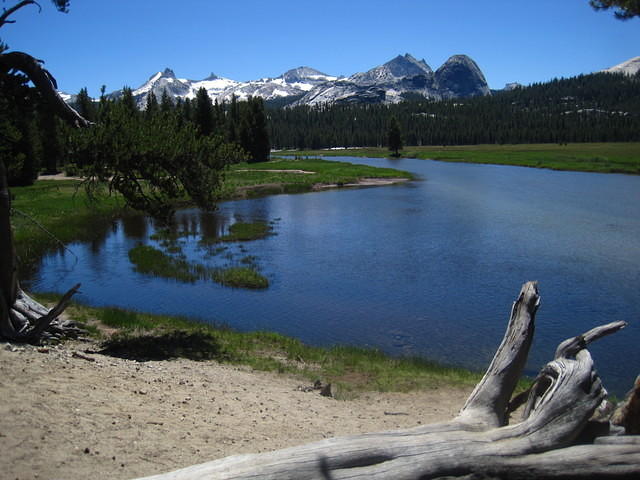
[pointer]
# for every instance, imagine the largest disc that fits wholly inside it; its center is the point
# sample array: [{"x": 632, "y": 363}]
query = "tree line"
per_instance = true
[
  {"x": 35, "y": 140},
  {"x": 600, "y": 107}
]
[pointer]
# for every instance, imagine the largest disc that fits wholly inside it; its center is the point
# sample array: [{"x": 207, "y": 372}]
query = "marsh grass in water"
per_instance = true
[
  {"x": 243, "y": 232},
  {"x": 151, "y": 261},
  {"x": 240, "y": 277}
]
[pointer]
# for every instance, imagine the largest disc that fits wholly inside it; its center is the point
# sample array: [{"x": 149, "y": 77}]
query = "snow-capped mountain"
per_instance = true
[
  {"x": 293, "y": 83},
  {"x": 392, "y": 71},
  {"x": 389, "y": 83},
  {"x": 630, "y": 67}
]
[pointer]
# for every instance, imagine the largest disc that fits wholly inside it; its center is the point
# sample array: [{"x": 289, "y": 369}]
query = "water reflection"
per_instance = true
[{"x": 428, "y": 268}]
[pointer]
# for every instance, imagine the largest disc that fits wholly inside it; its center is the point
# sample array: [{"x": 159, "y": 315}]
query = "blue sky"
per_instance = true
[{"x": 124, "y": 42}]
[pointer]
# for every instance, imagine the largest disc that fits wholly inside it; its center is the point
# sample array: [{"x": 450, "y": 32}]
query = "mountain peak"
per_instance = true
[
  {"x": 406, "y": 65},
  {"x": 304, "y": 73},
  {"x": 168, "y": 73},
  {"x": 462, "y": 78},
  {"x": 395, "y": 70}
]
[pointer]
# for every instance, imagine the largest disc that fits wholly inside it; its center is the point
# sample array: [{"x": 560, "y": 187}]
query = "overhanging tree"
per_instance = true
[
  {"x": 152, "y": 162},
  {"x": 623, "y": 9}
]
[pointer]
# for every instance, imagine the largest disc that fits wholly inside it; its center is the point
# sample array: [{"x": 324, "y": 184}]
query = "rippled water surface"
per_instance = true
[{"x": 426, "y": 268}]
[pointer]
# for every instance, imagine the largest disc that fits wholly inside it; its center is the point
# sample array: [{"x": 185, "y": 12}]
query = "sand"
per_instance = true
[{"x": 67, "y": 414}]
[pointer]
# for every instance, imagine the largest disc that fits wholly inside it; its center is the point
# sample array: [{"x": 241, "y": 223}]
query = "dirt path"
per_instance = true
[{"x": 63, "y": 416}]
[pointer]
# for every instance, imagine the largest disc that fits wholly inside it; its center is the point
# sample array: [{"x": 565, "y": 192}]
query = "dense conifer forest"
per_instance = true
[
  {"x": 600, "y": 107},
  {"x": 35, "y": 141}
]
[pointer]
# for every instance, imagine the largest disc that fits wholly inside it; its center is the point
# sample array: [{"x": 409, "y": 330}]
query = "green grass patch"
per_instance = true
[
  {"x": 623, "y": 157},
  {"x": 51, "y": 213},
  {"x": 242, "y": 232},
  {"x": 240, "y": 277},
  {"x": 354, "y": 370},
  {"x": 297, "y": 176},
  {"x": 151, "y": 261}
]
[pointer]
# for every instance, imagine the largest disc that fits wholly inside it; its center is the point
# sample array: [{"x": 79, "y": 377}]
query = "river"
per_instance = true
[{"x": 427, "y": 268}]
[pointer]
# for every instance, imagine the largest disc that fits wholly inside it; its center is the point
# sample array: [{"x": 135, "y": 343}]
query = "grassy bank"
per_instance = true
[
  {"x": 52, "y": 213},
  {"x": 296, "y": 176},
  {"x": 583, "y": 157},
  {"x": 156, "y": 337},
  {"x": 62, "y": 209}
]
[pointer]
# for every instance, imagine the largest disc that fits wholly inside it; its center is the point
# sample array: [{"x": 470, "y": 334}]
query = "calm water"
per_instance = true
[{"x": 426, "y": 268}]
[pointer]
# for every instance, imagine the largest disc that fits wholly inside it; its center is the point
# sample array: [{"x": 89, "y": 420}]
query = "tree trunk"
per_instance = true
[
  {"x": 8, "y": 276},
  {"x": 478, "y": 443},
  {"x": 21, "y": 318}
]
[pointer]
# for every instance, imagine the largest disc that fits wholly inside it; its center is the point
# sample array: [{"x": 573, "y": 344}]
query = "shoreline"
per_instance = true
[
  {"x": 76, "y": 414},
  {"x": 612, "y": 157}
]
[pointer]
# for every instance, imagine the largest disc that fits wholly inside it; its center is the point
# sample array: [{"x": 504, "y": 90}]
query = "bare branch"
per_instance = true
[
  {"x": 5, "y": 15},
  {"x": 571, "y": 346}
]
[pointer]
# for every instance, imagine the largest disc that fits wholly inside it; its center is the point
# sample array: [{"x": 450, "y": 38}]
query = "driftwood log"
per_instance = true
[{"x": 552, "y": 439}]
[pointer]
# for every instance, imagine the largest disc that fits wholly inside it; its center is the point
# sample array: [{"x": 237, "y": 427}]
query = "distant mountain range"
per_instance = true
[{"x": 401, "y": 78}]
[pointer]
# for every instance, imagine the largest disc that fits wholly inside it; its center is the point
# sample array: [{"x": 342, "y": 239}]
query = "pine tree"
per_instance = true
[
  {"x": 394, "y": 137},
  {"x": 85, "y": 105},
  {"x": 260, "y": 147},
  {"x": 203, "y": 112},
  {"x": 152, "y": 108}
]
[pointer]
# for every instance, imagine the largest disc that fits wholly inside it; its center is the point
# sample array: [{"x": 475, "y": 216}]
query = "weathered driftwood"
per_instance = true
[{"x": 479, "y": 441}]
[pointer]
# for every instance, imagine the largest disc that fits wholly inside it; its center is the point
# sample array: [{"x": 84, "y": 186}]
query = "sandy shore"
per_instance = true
[{"x": 67, "y": 414}]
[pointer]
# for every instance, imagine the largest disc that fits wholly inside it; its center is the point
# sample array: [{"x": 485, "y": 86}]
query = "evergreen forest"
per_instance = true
[
  {"x": 124, "y": 138},
  {"x": 600, "y": 107}
]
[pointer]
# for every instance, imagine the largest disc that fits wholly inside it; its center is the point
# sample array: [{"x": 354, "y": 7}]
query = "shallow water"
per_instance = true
[{"x": 426, "y": 268}]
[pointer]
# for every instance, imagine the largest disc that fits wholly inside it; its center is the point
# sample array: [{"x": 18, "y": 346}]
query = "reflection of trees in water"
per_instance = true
[
  {"x": 136, "y": 226},
  {"x": 208, "y": 225},
  {"x": 212, "y": 225}
]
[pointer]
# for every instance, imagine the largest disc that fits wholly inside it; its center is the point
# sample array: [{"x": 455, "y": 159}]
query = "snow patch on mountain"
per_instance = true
[{"x": 628, "y": 67}]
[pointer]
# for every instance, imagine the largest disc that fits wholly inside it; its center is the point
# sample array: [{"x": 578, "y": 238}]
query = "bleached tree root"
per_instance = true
[
  {"x": 479, "y": 442},
  {"x": 29, "y": 321}
]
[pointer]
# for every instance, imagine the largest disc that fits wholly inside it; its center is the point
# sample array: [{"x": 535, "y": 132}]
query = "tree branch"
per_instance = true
[
  {"x": 488, "y": 403},
  {"x": 44, "y": 82},
  {"x": 7, "y": 13}
]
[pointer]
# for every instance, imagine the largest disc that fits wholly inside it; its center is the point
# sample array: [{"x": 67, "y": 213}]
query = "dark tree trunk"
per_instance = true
[
  {"x": 8, "y": 276},
  {"x": 21, "y": 318}
]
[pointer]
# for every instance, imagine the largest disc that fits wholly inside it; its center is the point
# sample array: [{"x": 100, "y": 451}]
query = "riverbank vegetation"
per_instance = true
[
  {"x": 297, "y": 175},
  {"x": 622, "y": 157},
  {"x": 350, "y": 370}
]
